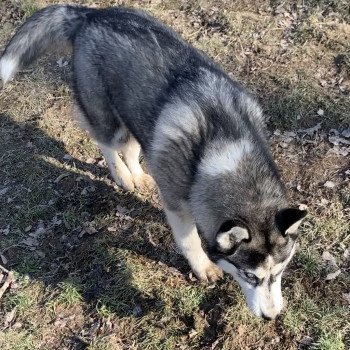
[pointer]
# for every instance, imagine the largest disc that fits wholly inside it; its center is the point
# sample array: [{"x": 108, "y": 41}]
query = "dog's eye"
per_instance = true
[{"x": 250, "y": 275}]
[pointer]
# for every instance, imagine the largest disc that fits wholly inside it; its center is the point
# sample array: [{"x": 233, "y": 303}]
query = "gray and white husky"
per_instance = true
[{"x": 138, "y": 85}]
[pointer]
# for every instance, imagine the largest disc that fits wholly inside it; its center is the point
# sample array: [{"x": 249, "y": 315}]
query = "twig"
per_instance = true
[
  {"x": 10, "y": 278},
  {"x": 4, "y": 269}
]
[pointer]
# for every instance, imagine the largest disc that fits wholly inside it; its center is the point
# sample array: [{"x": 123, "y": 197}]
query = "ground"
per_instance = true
[{"x": 96, "y": 268}]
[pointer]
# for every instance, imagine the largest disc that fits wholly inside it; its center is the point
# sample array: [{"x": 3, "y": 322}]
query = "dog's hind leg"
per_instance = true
[
  {"x": 131, "y": 154},
  {"x": 109, "y": 145},
  {"x": 118, "y": 169}
]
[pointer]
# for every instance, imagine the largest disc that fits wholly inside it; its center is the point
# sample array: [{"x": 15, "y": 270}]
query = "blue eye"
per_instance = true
[{"x": 250, "y": 275}]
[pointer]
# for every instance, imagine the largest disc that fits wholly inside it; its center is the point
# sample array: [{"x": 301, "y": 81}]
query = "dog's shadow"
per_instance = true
[{"x": 69, "y": 229}]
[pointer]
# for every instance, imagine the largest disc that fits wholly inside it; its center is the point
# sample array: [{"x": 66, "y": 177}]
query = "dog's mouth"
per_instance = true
[{"x": 263, "y": 295}]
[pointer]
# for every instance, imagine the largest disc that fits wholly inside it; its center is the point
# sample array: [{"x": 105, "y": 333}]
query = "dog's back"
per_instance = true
[{"x": 134, "y": 65}]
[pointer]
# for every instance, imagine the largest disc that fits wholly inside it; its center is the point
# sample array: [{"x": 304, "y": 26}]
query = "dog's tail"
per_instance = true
[{"x": 53, "y": 25}]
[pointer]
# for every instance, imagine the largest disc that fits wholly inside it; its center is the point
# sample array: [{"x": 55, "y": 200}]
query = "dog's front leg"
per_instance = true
[{"x": 187, "y": 239}]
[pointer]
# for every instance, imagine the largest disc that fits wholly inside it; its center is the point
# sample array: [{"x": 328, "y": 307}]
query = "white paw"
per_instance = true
[
  {"x": 144, "y": 182},
  {"x": 209, "y": 273},
  {"x": 126, "y": 184}
]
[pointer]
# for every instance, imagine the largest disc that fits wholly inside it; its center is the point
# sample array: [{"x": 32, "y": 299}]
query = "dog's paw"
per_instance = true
[
  {"x": 126, "y": 184},
  {"x": 145, "y": 182},
  {"x": 211, "y": 273}
]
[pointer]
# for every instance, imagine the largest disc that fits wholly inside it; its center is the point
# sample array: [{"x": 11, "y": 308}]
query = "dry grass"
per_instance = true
[{"x": 100, "y": 270}]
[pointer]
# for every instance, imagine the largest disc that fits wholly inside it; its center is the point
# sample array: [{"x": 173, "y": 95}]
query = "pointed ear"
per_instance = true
[
  {"x": 229, "y": 236},
  {"x": 288, "y": 220}
]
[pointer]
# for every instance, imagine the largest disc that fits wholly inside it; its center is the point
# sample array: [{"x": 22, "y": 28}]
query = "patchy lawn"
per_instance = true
[{"x": 96, "y": 268}]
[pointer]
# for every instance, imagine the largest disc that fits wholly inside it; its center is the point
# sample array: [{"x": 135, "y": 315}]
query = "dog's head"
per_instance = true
[
  {"x": 256, "y": 256},
  {"x": 241, "y": 208}
]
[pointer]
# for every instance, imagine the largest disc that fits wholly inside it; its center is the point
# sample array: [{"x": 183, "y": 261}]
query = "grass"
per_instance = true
[
  {"x": 17, "y": 340},
  {"x": 330, "y": 341},
  {"x": 105, "y": 273},
  {"x": 69, "y": 294},
  {"x": 324, "y": 320},
  {"x": 310, "y": 261}
]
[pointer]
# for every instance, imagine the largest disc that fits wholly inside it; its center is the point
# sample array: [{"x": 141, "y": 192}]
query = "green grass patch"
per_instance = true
[
  {"x": 188, "y": 299},
  {"x": 69, "y": 294},
  {"x": 17, "y": 340},
  {"x": 310, "y": 260},
  {"x": 330, "y": 341},
  {"x": 317, "y": 319}
]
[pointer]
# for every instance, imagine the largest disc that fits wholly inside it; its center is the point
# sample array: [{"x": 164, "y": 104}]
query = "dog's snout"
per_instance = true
[
  {"x": 266, "y": 318},
  {"x": 270, "y": 314}
]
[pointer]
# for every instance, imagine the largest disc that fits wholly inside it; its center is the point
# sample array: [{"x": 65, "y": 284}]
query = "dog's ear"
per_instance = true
[
  {"x": 288, "y": 220},
  {"x": 229, "y": 236}
]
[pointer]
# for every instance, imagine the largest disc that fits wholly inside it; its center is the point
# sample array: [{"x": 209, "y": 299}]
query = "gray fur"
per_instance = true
[{"x": 201, "y": 133}]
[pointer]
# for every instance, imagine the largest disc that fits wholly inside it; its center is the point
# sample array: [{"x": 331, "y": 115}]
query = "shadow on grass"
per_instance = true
[
  {"x": 74, "y": 244},
  {"x": 96, "y": 264}
]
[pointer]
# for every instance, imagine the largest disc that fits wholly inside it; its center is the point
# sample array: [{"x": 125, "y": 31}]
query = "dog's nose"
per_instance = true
[{"x": 267, "y": 318}]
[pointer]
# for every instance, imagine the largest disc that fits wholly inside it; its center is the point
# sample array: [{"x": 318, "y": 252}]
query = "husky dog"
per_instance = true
[{"x": 138, "y": 85}]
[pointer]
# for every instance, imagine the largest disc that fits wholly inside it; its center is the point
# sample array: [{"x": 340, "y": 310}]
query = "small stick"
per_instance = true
[
  {"x": 10, "y": 278},
  {"x": 4, "y": 269}
]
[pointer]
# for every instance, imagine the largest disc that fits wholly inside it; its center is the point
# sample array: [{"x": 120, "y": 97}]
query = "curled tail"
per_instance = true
[{"x": 52, "y": 25}]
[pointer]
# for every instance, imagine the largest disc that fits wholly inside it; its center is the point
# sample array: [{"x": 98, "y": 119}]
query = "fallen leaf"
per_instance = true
[
  {"x": 192, "y": 333},
  {"x": 336, "y": 140},
  {"x": 329, "y": 184},
  {"x": 62, "y": 176},
  {"x": 60, "y": 322},
  {"x": 329, "y": 258},
  {"x": 346, "y": 297},
  {"x": 324, "y": 201},
  {"x": 55, "y": 221},
  {"x": 123, "y": 210},
  {"x": 67, "y": 157},
  {"x": 306, "y": 341},
  {"x": 91, "y": 161},
  {"x": 94, "y": 328},
  {"x": 28, "y": 228},
  {"x": 5, "y": 231},
  {"x": 39, "y": 231},
  {"x": 137, "y": 310},
  {"x": 40, "y": 254},
  {"x": 3, "y": 259},
  {"x": 3, "y": 191},
  {"x": 311, "y": 131},
  {"x": 216, "y": 342},
  {"x": 333, "y": 275},
  {"x": 17, "y": 325},
  {"x": 62, "y": 63},
  {"x": 346, "y": 133},
  {"x": 346, "y": 254},
  {"x": 9, "y": 316},
  {"x": 302, "y": 207},
  {"x": 334, "y": 131},
  {"x": 90, "y": 230},
  {"x": 289, "y": 134},
  {"x": 320, "y": 112},
  {"x": 340, "y": 151},
  {"x": 30, "y": 242}
]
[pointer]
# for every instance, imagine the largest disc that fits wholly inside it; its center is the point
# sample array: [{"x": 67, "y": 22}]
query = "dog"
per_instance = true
[{"x": 139, "y": 85}]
